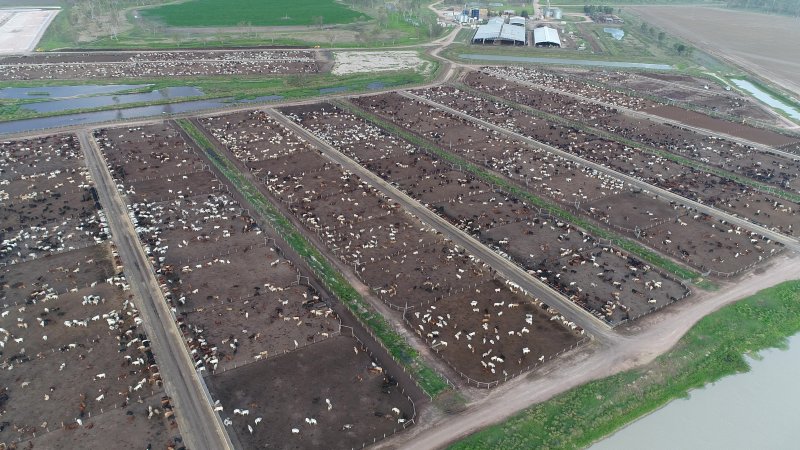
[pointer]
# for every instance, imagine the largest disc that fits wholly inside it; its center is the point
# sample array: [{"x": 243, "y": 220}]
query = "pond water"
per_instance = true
[
  {"x": 765, "y": 97},
  {"x": 755, "y": 410},
  {"x": 57, "y": 92},
  {"x": 102, "y": 101},
  {"x": 616, "y": 33},
  {"x": 573, "y": 62},
  {"x": 20, "y": 126}
]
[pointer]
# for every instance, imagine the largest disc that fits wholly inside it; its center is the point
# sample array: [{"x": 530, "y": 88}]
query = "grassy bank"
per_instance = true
[
  {"x": 429, "y": 380},
  {"x": 712, "y": 349},
  {"x": 555, "y": 210}
]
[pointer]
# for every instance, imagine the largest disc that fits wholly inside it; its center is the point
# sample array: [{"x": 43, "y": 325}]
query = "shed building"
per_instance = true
[
  {"x": 496, "y": 31},
  {"x": 546, "y": 37}
]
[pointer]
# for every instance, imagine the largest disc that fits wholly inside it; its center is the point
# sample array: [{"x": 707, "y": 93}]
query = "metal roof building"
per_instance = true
[
  {"x": 546, "y": 36},
  {"x": 497, "y": 30},
  {"x": 517, "y": 20}
]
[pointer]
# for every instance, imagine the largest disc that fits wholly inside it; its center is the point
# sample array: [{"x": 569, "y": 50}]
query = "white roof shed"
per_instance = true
[{"x": 546, "y": 36}]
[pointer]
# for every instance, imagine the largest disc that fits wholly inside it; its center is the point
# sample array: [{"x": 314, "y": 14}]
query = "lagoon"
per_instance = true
[{"x": 755, "y": 410}]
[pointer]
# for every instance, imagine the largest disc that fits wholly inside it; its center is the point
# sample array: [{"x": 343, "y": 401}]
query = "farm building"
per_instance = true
[
  {"x": 546, "y": 37},
  {"x": 497, "y": 31}
]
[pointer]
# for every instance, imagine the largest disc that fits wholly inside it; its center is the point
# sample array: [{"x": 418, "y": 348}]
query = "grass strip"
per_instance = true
[
  {"x": 773, "y": 190},
  {"x": 712, "y": 349},
  {"x": 430, "y": 381},
  {"x": 485, "y": 175}
]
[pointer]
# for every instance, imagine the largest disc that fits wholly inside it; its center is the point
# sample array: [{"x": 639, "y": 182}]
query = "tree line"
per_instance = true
[{"x": 786, "y": 7}]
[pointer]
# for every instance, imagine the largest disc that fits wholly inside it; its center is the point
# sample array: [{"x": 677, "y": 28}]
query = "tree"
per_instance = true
[
  {"x": 318, "y": 21},
  {"x": 524, "y": 13},
  {"x": 661, "y": 36},
  {"x": 644, "y": 27},
  {"x": 680, "y": 48}
]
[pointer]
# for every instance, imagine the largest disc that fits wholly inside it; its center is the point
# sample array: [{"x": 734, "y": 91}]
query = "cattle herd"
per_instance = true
[
  {"x": 282, "y": 369},
  {"x": 115, "y": 65}
]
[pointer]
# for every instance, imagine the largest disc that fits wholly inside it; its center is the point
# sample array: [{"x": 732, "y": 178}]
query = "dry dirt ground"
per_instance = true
[
  {"x": 21, "y": 29},
  {"x": 770, "y": 48}
]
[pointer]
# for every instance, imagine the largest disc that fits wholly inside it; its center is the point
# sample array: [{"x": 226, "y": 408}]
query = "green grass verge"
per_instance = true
[
  {"x": 231, "y": 13},
  {"x": 431, "y": 382},
  {"x": 712, "y": 349},
  {"x": 773, "y": 190},
  {"x": 485, "y": 175}
]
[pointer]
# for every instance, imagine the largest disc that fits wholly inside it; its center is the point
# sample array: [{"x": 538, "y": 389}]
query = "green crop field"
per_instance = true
[{"x": 231, "y": 13}]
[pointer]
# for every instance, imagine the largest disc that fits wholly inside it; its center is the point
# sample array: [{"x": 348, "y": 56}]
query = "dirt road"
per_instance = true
[
  {"x": 635, "y": 346},
  {"x": 197, "y": 422}
]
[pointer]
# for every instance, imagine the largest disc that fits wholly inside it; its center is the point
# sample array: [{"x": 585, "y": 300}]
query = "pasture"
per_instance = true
[
  {"x": 769, "y": 51},
  {"x": 231, "y": 13}
]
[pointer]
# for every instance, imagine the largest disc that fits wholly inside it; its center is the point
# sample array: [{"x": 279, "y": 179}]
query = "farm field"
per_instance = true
[
  {"x": 77, "y": 364},
  {"x": 770, "y": 52},
  {"x": 554, "y": 251},
  {"x": 220, "y": 13},
  {"x": 404, "y": 262}
]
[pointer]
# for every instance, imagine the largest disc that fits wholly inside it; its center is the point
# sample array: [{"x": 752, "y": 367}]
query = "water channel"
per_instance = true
[
  {"x": 766, "y": 98},
  {"x": 101, "y": 101},
  {"x": 571, "y": 62},
  {"x": 755, "y": 410}
]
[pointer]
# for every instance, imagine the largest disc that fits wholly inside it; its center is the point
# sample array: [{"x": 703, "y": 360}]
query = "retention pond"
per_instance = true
[{"x": 757, "y": 409}]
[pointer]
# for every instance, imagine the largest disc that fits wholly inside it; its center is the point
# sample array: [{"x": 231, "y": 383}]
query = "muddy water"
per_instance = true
[{"x": 755, "y": 410}]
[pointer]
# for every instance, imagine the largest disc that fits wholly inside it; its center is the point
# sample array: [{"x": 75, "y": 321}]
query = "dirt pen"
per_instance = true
[
  {"x": 401, "y": 259},
  {"x": 79, "y": 366},
  {"x": 330, "y": 394}
]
